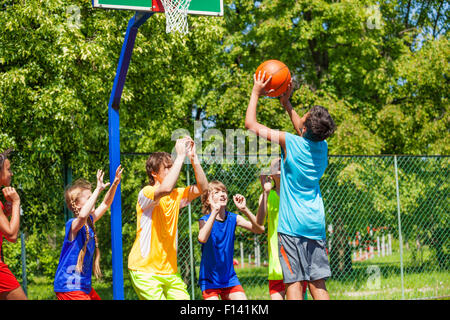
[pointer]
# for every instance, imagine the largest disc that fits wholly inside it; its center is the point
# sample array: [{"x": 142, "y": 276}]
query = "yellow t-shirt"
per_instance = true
[{"x": 155, "y": 247}]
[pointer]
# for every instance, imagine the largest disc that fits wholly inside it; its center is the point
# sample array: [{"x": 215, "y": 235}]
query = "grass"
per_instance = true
[
  {"x": 417, "y": 286},
  {"x": 42, "y": 289},
  {"x": 381, "y": 278},
  {"x": 376, "y": 279}
]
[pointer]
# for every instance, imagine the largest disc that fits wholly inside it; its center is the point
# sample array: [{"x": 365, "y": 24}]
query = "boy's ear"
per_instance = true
[
  {"x": 303, "y": 131},
  {"x": 155, "y": 176}
]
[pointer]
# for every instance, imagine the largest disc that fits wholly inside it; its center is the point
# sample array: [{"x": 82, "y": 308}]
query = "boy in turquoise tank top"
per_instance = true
[{"x": 301, "y": 225}]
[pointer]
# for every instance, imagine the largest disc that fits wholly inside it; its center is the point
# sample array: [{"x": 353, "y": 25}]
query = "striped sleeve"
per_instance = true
[{"x": 146, "y": 197}]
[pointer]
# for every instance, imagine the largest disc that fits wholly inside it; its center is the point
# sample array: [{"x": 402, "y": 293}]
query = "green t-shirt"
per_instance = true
[{"x": 273, "y": 203}]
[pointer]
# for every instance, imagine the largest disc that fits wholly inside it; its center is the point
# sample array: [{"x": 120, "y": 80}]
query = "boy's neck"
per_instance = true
[
  {"x": 309, "y": 136},
  {"x": 221, "y": 214}
]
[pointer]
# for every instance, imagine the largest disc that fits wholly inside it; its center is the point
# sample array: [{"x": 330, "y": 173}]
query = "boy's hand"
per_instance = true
[
  {"x": 284, "y": 98},
  {"x": 100, "y": 183},
  {"x": 215, "y": 206},
  {"x": 260, "y": 85},
  {"x": 266, "y": 183},
  {"x": 191, "y": 150},
  {"x": 118, "y": 176},
  {"x": 181, "y": 146},
  {"x": 239, "y": 201}
]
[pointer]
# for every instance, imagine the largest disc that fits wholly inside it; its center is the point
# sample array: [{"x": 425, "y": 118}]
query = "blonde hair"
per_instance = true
[
  {"x": 71, "y": 196},
  {"x": 212, "y": 186}
]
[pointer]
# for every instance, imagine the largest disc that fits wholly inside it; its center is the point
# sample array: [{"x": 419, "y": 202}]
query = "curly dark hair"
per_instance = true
[{"x": 319, "y": 124}]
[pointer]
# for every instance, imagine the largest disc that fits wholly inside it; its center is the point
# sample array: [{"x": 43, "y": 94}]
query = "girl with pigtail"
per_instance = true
[{"x": 77, "y": 262}]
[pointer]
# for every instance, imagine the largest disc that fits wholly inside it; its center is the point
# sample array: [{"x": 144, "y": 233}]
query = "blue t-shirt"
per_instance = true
[
  {"x": 301, "y": 206},
  {"x": 66, "y": 278},
  {"x": 216, "y": 266}
]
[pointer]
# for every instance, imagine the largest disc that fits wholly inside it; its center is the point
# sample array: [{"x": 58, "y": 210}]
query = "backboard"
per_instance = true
[{"x": 197, "y": 7}]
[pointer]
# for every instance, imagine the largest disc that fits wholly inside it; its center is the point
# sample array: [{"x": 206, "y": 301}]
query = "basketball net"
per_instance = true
[{"x": 176, "y": 15}]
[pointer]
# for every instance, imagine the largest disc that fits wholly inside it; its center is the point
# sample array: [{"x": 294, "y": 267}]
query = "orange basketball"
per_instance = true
[{"x": 280, "y": 76}]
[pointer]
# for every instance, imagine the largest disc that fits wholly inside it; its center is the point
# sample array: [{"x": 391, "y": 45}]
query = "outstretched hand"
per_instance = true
[
  {"x": 191, "y": 150},
  {"x": 259, "y": 86},
  {"x": 215, "y": 206},
  {"x": 239, "y": 201},
  {"x": 284, "y": 98},
  {"x": 10, "y": 194},
  {"x": 118, "y": 176},
  {"x": 266, "y": 182},
  {"x": 100, "y": 184},
  {"x": 181, "y": 146}
]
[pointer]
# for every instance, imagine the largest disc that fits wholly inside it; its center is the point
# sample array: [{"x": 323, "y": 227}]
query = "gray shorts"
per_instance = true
[{"x": 303, "y": 259}]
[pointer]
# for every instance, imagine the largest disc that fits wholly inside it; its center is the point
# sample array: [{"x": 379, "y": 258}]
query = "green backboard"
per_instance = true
[{"x": 197, "y": 7}]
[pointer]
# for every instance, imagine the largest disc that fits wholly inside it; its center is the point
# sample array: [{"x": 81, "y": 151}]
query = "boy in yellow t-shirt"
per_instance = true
[{"x": 152, "y": 262}]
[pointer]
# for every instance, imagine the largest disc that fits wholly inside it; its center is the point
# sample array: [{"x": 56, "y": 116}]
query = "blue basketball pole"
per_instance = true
[{"x": 114, "y": 149}]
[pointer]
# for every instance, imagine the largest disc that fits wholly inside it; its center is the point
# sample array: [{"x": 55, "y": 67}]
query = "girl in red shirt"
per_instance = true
[{"x": 10, "y": 289}]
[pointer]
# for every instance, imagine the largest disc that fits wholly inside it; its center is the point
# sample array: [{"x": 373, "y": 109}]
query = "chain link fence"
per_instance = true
[
  {"x": 387, "y": 227},
  {"x": 387, "y": 223}
]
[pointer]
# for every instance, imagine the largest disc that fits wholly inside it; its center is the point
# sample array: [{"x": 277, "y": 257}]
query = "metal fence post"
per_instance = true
[
  {"x": 191, "y": 249},
  {"x": 399, "y": 225},
  {"x": 114, "y": 149}
]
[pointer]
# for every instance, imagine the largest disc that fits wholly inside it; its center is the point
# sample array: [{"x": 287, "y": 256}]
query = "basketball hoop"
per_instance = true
[{"x": 176, "y": 15}]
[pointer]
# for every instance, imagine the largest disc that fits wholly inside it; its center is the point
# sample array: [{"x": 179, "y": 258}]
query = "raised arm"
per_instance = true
[
  {"x": 10, "y": 228},
  {"x": 200, "y": 176},
  {"x": 170, "y": 180},
  {"x": 86, "y": 210},
  {"x": 251, "y": 224},
  {"x": 205, "y": 227},
  {"x": 262, "y": 209},
  {"x": 286, "y": 103},
  {"x": 251, "y": 122},
  {"x": 109, "y": 196}
]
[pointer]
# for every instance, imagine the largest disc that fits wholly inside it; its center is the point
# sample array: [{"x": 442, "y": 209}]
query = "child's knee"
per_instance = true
[{"x": 319, "y": 284}]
